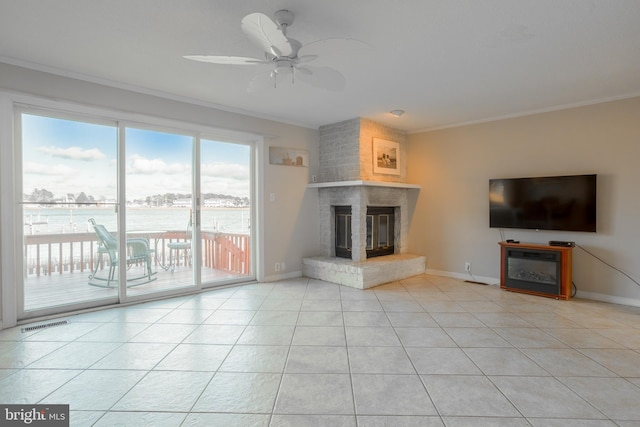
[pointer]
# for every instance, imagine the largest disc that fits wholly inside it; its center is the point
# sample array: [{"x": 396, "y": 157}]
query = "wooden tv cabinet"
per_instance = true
[{"x": 537, "y": 284}]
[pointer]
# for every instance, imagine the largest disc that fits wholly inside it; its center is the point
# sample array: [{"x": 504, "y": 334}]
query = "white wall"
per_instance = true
[
  {"x": 290, "y": 223},
  {"x": 451, "y": 222}
]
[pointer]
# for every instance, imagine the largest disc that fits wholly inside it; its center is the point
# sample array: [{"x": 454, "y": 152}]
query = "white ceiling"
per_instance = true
[{"x": 444, "y": 62}]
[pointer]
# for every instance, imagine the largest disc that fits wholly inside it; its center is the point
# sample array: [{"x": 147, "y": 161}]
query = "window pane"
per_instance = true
[
  {"x": 69, "y": 175},
  {"x": 159, "y": 188},
  {"x": 68, "y": 162},
  {"x": 225, "y": 177}
]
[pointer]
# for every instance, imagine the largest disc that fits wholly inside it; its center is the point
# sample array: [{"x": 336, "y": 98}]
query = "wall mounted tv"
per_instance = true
[{"x": 566, "y": 203}]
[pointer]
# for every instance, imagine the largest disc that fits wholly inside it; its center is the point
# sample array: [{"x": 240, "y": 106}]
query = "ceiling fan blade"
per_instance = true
[
  {"x": 323, "y": 78},
  {"x": 262, "y": 30},
  {"x": 307, "y": 58},
  {"x": 225, "y": 60},
  {"x": 332, "y": 46},
  {"x": 303, "y": 70}
]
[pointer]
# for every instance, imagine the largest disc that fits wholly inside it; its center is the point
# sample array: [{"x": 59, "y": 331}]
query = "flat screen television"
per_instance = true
[{"x": 566, "y": 203}]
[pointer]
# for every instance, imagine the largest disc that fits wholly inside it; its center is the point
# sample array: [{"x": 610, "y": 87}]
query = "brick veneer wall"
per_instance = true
[
  {"x": 346, "y": 151},
  {"x": 370, "y": 130},
  {"x": 340, "y": 151}
]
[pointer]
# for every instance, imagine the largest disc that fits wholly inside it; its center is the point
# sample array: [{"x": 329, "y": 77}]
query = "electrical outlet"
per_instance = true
[
  {"x": 277, "y": 266},
  {"x": 467, "y": 266}
]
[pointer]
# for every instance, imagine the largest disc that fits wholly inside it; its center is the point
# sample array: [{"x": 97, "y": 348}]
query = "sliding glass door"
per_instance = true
[{"x": 115, "y": 212}]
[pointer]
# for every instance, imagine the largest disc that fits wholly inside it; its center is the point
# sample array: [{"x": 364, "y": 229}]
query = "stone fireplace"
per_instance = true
[{"x": 355, "y": 248}]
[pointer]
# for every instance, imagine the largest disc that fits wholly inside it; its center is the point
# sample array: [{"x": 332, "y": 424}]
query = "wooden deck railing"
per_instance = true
[
  {"x": 47, "y": 254},
  {"x": 227, "y": 252}
]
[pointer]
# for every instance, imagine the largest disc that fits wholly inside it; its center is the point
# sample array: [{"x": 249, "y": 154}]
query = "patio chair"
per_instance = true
[
  {"x": 138, "y": 253},
  {"x": 184, "y": 246}
]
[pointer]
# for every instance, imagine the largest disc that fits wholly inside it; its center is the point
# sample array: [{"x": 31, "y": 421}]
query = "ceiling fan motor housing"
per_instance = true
[{"x": 284, "y": 18}]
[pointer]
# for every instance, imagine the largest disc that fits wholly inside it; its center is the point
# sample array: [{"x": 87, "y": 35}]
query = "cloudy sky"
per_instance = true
[{"x": 64, "y": 156}]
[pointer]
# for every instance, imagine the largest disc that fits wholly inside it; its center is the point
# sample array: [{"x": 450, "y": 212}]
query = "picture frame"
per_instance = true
[
  {"x": 386, "y": 157},
  {"x": 283, "y": 156}
]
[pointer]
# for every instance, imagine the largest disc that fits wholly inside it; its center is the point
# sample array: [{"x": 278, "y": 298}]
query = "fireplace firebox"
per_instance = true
[{"x": 380, "y": 231}]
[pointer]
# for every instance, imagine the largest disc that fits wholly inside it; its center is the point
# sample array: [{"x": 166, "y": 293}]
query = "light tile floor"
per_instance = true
[{"x": 426, "y": 351}]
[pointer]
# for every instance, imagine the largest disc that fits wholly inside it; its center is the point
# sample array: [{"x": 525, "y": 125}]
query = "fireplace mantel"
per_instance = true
[{"x": 361, "y": 183}]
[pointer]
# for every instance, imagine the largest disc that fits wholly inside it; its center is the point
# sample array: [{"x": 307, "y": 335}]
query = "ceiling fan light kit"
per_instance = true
[{"x": 280, "y": 52}]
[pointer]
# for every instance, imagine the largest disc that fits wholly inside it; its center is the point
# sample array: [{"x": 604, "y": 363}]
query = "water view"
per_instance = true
[{"x": 76, "y": 220}]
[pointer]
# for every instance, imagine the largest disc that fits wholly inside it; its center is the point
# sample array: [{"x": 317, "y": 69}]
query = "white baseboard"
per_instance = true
[
  {"x": 289, "y": 275},
  {"x": 633, "y": 302},
  {"x": 464, "y": 276}
]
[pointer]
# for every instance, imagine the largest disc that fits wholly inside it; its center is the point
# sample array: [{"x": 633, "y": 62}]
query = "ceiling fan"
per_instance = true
[{"x": 281, "y": 53}]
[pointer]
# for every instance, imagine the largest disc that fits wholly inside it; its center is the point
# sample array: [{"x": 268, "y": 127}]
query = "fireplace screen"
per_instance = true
[
  {"x": 380, "y": 231},
  {"x": 343, "y": 231}
]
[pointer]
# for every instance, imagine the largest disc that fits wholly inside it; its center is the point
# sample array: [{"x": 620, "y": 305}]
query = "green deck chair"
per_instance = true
[{"x": 138, "y": 253}]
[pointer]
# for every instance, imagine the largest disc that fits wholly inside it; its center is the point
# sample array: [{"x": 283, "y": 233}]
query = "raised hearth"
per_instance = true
[
  {"x": 358, "y": 271},
  {"x": 365, "y": 274}
]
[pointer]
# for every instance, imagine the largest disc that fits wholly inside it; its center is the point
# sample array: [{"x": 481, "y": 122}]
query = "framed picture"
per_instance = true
[
  {"x": 288, "y": 157},
  {"x": 386, "y": 157}
]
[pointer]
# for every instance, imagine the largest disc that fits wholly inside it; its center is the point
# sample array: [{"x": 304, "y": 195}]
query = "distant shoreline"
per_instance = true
[{"x": 110, "y": 207}]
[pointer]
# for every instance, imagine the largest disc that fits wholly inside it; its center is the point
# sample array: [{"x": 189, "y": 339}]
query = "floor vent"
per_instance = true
[
  {"x": 477, "y": 283},
  {"x": 45, "y": 325}
]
